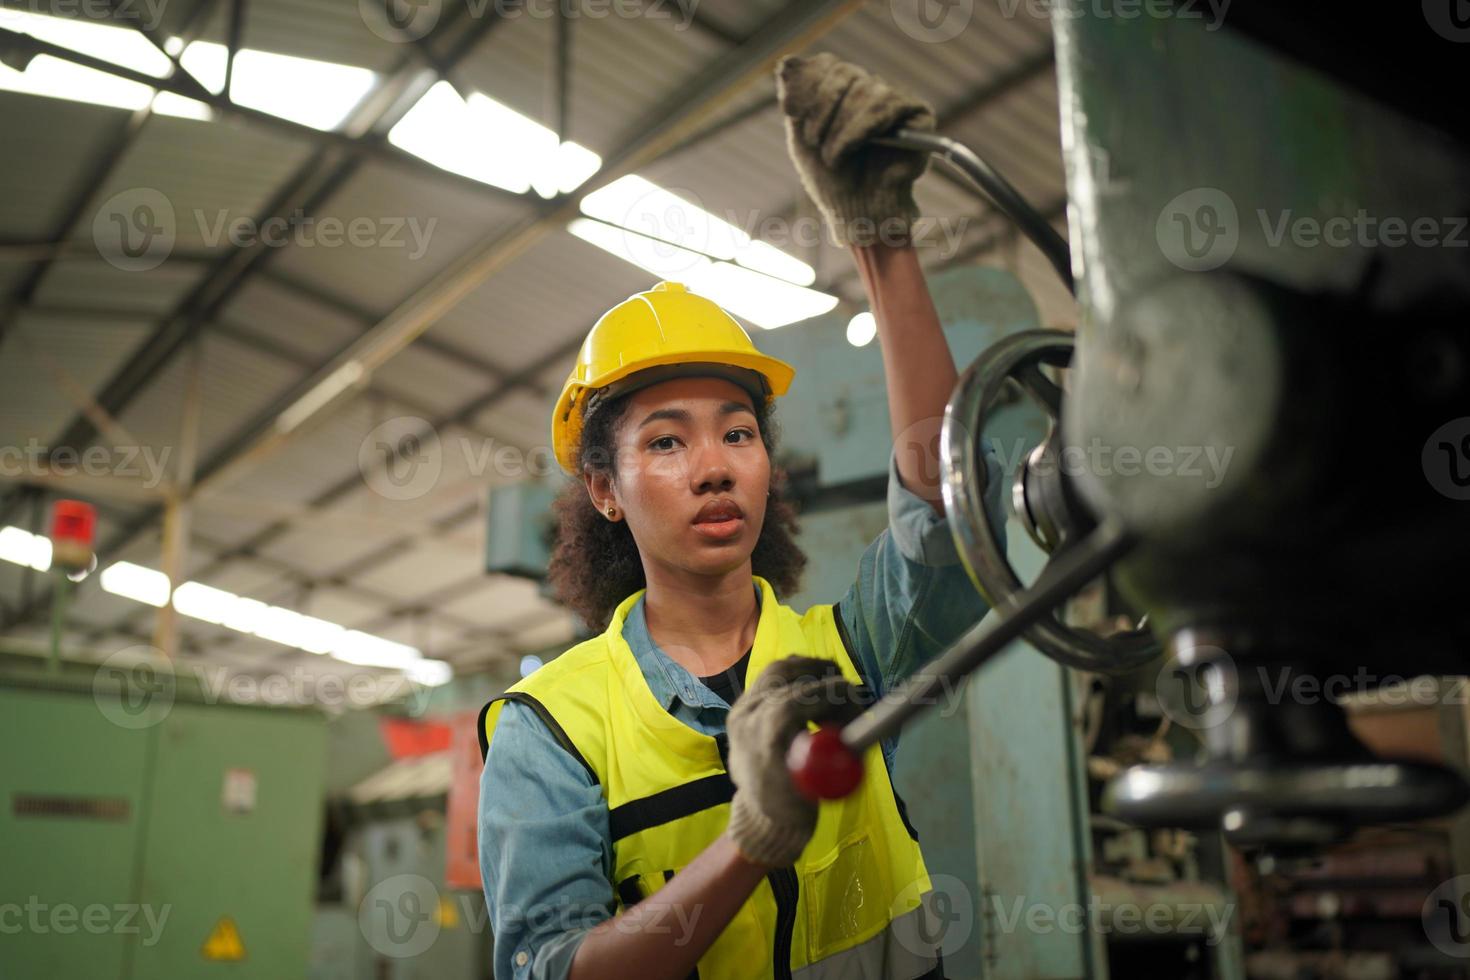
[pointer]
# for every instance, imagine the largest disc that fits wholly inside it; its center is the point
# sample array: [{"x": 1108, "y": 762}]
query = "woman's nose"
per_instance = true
[{"x": 712, "y": 469}]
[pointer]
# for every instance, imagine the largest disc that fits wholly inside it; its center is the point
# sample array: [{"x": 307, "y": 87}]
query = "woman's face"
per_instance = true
[{"x": 692, "y": 475}]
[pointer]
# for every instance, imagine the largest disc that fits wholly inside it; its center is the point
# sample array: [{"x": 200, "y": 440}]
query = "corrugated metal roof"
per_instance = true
[
  {"x": 85, "y": 283},
  {"x": 742, "y": 17},
  {"x": 428, "y": 567},
  {"x": 555, "y": 630},
  {"x": 623, "y": 68},
  {"x": 442, "y": 384},
  {"x": 523, "y": 416},
  {"x": 231, "y": 172},
  {"x": 235, "y": 381},
  {"x": 407, "y": 231},
  {"x": 327, "y": 30},
  {"x": 292, "y": 320},
  {"x": 32, "y": 405},
  {"x": 43, "y": 166},
  {"x": 503, "y": 602},
  {"x": 544, "y": 300}
]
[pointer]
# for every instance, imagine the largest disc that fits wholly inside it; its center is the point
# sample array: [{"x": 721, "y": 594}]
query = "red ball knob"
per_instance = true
[{"x": 821, "y": 766}]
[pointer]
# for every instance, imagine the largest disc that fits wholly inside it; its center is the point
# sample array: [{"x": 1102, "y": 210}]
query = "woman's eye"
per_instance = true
[
  {"x": 662, "y": 442},
  {"x": 740, "y": 433}
]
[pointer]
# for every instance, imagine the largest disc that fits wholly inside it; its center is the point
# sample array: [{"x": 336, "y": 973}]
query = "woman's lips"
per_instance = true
[{"x": 720, "y": 529}]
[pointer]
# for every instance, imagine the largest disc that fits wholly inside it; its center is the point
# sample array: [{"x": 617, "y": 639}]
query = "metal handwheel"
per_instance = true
[
  {"x": 1042, "y": 496},
  {"x": 827, "y": 764}
]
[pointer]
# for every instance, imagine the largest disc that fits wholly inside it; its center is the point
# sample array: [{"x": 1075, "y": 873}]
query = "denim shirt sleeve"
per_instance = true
[
  {"x": 545, "y": 849},
  {"x": 912, "y": 596}
]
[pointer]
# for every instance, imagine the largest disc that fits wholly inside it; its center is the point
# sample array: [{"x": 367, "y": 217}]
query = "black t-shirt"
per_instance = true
[{"x": 730, "y": 682}]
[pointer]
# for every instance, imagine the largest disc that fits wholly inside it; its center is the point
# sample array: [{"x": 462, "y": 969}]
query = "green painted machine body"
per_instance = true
[{"x": 124, "y": 848}]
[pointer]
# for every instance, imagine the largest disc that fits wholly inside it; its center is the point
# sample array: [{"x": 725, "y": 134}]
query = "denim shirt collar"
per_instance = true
[{"x": 669, "y": 681}]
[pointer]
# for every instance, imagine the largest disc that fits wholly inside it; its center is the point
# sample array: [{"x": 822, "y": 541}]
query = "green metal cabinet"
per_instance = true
[
  {"x": 58, "y": 750},
  {"x": 200, "y": 814}
]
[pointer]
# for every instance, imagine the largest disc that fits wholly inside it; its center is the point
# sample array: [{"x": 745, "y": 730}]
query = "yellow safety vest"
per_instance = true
[{"x": 855, "y": 904}]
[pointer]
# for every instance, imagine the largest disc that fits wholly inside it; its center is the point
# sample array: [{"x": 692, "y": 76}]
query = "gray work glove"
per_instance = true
[
  {"x": 770, "y": 821},
  {"x": 832, "y": 108}
]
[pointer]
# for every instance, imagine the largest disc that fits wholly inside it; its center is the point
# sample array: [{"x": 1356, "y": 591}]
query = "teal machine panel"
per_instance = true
[
  {"x": 135, "y": 829},
  {"x": 995, "y": 787}
]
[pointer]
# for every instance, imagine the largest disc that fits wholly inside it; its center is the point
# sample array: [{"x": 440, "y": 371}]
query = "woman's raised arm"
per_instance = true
[
  {"x": 916, "y": 362},
  {"x": 833, "y": 110}
]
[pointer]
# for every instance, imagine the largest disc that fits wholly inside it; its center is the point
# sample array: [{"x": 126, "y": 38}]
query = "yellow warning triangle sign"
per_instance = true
[{"x": 224, "y": 942}]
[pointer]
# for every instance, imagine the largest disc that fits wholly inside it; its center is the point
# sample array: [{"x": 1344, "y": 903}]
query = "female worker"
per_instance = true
[{"x": 632, "y": 823}]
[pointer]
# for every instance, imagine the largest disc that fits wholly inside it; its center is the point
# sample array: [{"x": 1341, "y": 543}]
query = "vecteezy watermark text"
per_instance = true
[
  {"x": 1386, "y": 690},
  {"x": 304, "y": 231},
  {"x": 402, "y": 458},
  {"x": 937, "y": 21},
  {"x": 1201, "y": 229},
  {"x": 1363, "y": 229},
  {"x": 1208, "y": 920},
  {"x": 135, "y": 688},
  {"x": 1210, "y": 12},
  {"x": 300, "y": 688},
  {"x": 406, "y": 21},
  {"x": 402, "y": 916},
  {"x": 147, "y": 14},
  {"x": 39, "y": 918},
  {"x": 137, "y": 229},
  {"x": 147, "y": 464},
  {"x": 668, "y": 235},
  {"x": 1208, "y": 463},
  {"x": 1205, "y": 692}
]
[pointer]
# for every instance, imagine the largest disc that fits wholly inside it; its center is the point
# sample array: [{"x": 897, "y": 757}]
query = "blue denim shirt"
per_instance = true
[{"x": 545, "y": 848}]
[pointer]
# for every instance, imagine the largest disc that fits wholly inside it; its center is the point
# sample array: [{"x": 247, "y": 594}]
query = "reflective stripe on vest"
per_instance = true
[{"x": 851, "y": 906}]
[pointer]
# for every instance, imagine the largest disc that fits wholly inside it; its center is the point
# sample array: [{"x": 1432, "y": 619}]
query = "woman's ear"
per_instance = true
[{"x": 600, "y": 489}]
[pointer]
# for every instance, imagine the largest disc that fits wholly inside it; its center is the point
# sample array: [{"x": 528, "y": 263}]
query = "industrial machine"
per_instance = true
[
  {"x": 1326, "y": 376},
  {"x": 1274, "y": 564},
  {"x": 146, "y": 833}
]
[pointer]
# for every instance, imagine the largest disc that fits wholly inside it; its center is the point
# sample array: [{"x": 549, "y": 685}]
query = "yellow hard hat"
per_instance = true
[{"x": 671, "y": 330}]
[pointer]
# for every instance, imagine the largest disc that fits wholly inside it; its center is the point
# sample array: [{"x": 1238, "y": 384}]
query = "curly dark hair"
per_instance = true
[{"x": 595, "y": 562}]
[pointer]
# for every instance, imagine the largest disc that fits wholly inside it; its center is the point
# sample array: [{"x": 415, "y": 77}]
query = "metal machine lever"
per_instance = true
[{"x": 825, "y": 769}]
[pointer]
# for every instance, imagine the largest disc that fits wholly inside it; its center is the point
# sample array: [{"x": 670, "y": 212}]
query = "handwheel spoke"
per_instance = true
[{"x": 1041, "y": 387}]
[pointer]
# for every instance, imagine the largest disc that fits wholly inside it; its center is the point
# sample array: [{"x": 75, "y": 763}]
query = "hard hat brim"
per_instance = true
[{"x": 776, "y": 373}]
